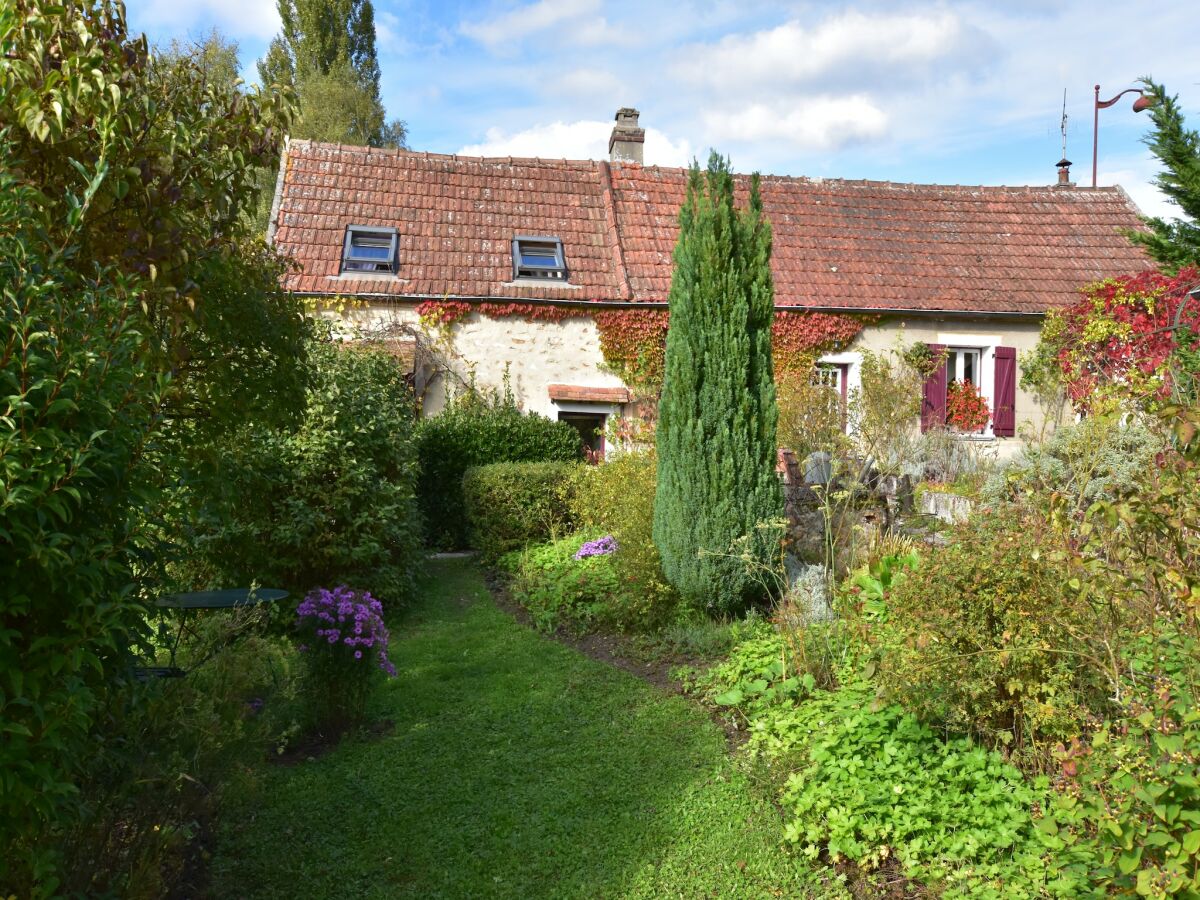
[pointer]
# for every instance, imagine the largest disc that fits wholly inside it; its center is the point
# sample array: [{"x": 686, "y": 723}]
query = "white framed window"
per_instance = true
[
  {"x": 964, "y": 364},
  {"x": 838, "y": 373}
]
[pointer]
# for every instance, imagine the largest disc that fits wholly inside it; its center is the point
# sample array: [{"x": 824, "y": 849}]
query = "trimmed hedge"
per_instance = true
[
  {"x": 477, "y": 433},
  {"x": 510, "y": 505}
]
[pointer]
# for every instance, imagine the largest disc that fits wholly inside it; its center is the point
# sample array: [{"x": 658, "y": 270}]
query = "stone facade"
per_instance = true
[{"x": 537, "y": 354}]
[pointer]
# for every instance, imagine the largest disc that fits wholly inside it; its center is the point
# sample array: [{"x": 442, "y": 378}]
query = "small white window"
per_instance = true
[
  {"x": 830, "y": 375},
  {"x": 539, "y": 258},
  {"x": 962, "y": 364},
  {"x": 370, "y": 249}
]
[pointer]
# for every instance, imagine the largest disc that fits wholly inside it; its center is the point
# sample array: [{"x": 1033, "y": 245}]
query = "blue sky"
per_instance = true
[{"x": 950, "y": 92}]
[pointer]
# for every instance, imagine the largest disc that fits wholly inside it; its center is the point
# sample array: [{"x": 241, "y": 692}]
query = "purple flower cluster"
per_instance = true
[
  {"x": 599, "y": 547},
  {"x": 346, "y": 620}
]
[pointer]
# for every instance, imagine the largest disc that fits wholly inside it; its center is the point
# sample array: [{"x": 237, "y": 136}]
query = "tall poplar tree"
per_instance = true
[
  {"x": 717, "y": 416},
  {"x": 326, "y": 52},
  {"x": 1173, "y": 244}
]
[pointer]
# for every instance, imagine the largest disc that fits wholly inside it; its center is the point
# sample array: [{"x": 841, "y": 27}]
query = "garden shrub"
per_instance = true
[
  {"x": 345, "y": 653},
  {"x": 1095, "y": 459},
  {"x": 120, "y": 191},
  {"x": 617, "y": 498},
  {"x": 331, "y": 502},
  {"x": 884, "y": 408},
  {"x": 985, "y": 637},
  {"x": 478, "y": 431},
  {"x": 560, "y": 588},
  {"x": 510, "y": 505},
  {"x": 867, "y": 782},
  {"x": 872, "y": 782},
  {"x": 168, "y": 751},
  {"x": 1127, "y": 818}
]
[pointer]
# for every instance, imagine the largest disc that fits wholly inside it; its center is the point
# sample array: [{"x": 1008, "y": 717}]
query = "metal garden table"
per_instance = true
[{"x": 230, "y": 598}]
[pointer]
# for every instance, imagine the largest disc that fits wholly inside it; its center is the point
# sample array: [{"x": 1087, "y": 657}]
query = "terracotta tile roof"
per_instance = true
[
  {"x": 585, "y": 393},
  {"x": 852, "y": 244}
]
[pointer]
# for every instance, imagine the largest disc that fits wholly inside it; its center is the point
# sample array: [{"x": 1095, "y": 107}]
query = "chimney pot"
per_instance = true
[
  {"x": 1064, "y": 173},
  {"x": 626, "y": 141}
]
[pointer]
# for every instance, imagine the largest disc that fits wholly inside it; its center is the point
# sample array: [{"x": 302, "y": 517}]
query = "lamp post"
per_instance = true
[{"x": 1142, "y": 102}]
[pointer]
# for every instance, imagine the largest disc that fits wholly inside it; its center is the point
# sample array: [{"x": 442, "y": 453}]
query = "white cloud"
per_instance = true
[
  {"x": 237, "y": 18},
  {"x": 576, "y": 140},
  {"x": 389, "y": 32},
  {"x": 820, "y": 123},
  {"x": 793, "y": 53},
  {"x": 544, "y": 15}
]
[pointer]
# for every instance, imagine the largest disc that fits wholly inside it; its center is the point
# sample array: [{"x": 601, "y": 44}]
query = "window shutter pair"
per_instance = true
[{"x": 1004, "y": 394}]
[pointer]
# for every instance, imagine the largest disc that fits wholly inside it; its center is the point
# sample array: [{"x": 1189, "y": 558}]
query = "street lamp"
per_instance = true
[{"x": 1142, "y": 102}]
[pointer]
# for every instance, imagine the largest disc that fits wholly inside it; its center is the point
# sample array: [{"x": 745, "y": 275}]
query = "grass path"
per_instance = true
[{"x": 517, "y": 768}]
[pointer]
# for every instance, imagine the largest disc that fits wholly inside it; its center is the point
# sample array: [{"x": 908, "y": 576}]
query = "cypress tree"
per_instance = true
[{"x": 717, "y": 415}]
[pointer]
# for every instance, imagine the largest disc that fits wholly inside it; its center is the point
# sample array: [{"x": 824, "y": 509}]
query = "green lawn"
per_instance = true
[{"x": 517, "y": 768}]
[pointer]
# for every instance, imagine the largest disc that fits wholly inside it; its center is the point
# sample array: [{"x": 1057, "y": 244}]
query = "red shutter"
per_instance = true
[
  {"x": 1004, "y": 416},
  {"x": 933, "y": 401}
]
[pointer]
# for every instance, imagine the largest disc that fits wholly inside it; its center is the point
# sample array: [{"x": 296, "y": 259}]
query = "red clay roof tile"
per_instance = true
[
  {"x": 580, "y": 392},
  {"x": 848, "y": 244}
]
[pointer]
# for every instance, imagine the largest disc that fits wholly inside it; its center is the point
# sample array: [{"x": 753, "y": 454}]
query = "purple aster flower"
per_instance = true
[{"x": 599, "y": 547}]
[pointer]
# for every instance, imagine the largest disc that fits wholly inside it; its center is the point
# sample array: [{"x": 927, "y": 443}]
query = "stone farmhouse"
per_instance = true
[{"x": 520, "y": 258}]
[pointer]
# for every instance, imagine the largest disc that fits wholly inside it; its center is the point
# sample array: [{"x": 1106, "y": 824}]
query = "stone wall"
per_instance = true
[{"x": 536, "y": 354}]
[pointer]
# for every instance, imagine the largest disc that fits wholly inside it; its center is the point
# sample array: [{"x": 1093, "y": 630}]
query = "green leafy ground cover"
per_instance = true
[{"x": 516, "y": 768}]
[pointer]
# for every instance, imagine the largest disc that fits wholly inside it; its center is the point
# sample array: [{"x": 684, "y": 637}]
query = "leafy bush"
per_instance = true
[
  {"x": 510, "y": 505},
  {"x": 885, "y": 407},
  {"x": 1095, "y": 459},
  {"x": 476, "y": 431},
  {"x": 331, "y": 502},
  {"x": 1128, "y": 818},
  {"x": 985, "y": 637},
  {"x": 867, "y": 782},
  {"x": 617, "y": 498},
  {"x": 873, "y": 783},
  {"x": 345, "y": 651},
  {"x": 137, "y": 314},
  {"x": 561, "y": 590},
  {"x": 757, "y": 673},
  {"x": 166, "y": 753}
]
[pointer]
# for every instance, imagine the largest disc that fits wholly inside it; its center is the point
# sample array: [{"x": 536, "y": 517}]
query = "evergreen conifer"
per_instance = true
[
  {"x": 717, "y": 483},
  {"x": 1176, "y": 243}
]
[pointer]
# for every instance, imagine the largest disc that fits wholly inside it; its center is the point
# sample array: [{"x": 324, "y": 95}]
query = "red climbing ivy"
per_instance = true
[
  {"x": 798, "y": 338},
  {"x": 633, "y": 341},
  {"x": 442, "y": 313},
  {"x": 1127, "y": 340}
]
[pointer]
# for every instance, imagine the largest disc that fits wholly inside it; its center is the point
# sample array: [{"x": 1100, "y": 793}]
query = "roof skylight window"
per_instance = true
[
  {"x": 538, "y": 258},
  {"x": 370, "y": 249}
]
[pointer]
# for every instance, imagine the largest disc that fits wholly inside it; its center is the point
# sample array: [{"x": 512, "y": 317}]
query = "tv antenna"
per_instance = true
[{"x": 1063, "y": 125}]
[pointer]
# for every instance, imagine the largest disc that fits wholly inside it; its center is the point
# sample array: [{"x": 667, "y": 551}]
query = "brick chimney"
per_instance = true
[
  {"x": 625, "y": 142},
  {"x": 1064, "y": 173}
]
